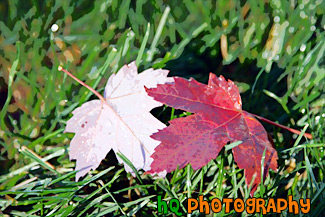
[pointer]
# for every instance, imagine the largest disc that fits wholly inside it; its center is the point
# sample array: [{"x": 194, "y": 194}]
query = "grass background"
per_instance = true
[{"x": 273, "y": 50}]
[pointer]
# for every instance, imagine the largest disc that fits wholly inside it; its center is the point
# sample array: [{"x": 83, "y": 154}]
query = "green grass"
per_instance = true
[{"x": 283, "y": 83}]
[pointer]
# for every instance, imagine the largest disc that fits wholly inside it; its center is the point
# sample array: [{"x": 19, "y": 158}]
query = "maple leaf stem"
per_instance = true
[
  {"x": 308, "y": 135},
  {"x": 60, "y": 68}
]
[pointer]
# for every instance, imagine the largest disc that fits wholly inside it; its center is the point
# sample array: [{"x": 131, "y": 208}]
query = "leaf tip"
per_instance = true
[
  {"x": 147, "y": 89},
  {"x": 147, "y": 173}
]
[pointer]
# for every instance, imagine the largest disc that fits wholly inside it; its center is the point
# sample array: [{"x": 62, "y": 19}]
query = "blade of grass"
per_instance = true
[
  {"x": 154, "y": 43},
  {"x": 188, "y": 183},
  {"x": 29, "y": 153},
  {"x": 248, "y": 191},
  {"x": 129, "y": 163},
  {"x": 232, "y": 145},
  {"x": 310, "y": 171},
  {"x": 262, "y": 187},
  {"x": 220, "y": 178},
  {"x": 27, "y": 167},
  {"x": 12, "y": 73},
  {"x": 278, "y": 99},
  {"x": 105, "y": 186},
  {"x": 98, "y": 199},
  {"x": 137, "y": 208},
  {"x": 132, "y": 187},
  {"x": 299, "y": 138},
  {"x": 256, "y": 79},
  {"x": 303, "y": 146},
  {"x": 237, "y": 187},
  {"x": 143, "y": 46}
]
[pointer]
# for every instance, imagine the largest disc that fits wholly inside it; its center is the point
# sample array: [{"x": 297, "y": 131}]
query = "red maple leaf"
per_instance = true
[{"x": 218, "y": 119}]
